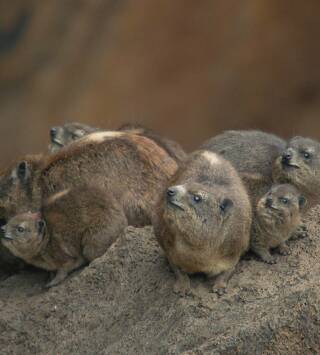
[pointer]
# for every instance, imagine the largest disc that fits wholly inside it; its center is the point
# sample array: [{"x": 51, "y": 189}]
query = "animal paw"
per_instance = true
[
  {"x": 300, "y": 233},
  {"x": 220, "y": 291},
  {"x": 271, "y": 260},
  {"x": 182, "y": 288}
]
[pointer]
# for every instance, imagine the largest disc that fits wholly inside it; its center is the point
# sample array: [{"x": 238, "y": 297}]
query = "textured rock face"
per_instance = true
[
  {"x": 188, "y": 69},
  {"x": 123, "y": 304}
]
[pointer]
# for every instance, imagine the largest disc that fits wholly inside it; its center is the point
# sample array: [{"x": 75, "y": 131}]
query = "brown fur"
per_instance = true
[
  {"x": 208, "y": 236},
  {"x": 258, "y": 157},
  {"x": 252, "y": 153},
  {"x": 132, "y": 166},
  {"x": 69, "y": 132},
  {"x": 81, "y": 224},
  {"x": 276, "y": 217},
  {"x": 61, "y": 136},
  {"x": 304, "y": 173}
]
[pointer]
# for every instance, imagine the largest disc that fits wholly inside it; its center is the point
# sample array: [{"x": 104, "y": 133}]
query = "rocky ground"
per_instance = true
[{"x": 123, "y": 304}]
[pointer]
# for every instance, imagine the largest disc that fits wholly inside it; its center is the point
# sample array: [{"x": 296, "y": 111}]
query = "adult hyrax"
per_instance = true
[
  {"x": 15, "y": 178},
  {"x": 276, "y": 217},
  {"x": 299, "y": 165},
  {"x": 263, "y": 159},
  {"x": 64, "y": 135},
  {"x": 75, "y": 226},
  {"x": 61, "y": 136},
  {"x": 133, "y": 167},
  {"x": 203, "y": 221},
  {"x": 252, "y": 153}
]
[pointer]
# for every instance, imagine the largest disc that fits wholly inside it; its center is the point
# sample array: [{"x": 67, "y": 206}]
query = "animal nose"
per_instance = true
[
  {"x": 171, "y": 191},
  {"x": 53, "y": 132},
  {"x": 269, "y": 202},
  {"x": 286, "y": 157}
]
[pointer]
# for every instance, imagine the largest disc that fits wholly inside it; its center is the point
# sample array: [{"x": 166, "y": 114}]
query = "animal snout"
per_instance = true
[
  {"x": 53, "y": 132},
  {"x": 172, "y": 191},
  {"x": 286, "y": 157},
  {"x": 269, "y": 202}
]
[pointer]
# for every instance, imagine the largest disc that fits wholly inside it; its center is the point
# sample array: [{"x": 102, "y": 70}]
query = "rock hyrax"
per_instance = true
[
  {"x": 64, "y": 135},
  {"x": 133, "y": 167},
  {"x": 263, "y": 159},
  {"x": 61, "y": 136},
  {"x": 299, "y": 165},
  {"x": 204, "y": 219},
  {"x": 74, "y": 227},
  {"x": 276, "y": 217},
  {"x": 252, "y": 153}
]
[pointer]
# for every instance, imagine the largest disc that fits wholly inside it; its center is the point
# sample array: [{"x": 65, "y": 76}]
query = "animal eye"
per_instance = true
[
  {"x": 20, "y": 229},
  {"x": 306, "y": 155},
  {"x": 284, "y": 200},
  {"x": 197, "y": 198},
  {"x": 225, "y": 205}
]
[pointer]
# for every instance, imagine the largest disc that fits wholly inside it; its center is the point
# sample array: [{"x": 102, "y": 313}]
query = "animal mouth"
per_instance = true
[
  {"x": 176, "y": 204},
  {"x": 287, "y": 164},
  {"x": 273, "y": 208},
  {"x": 57, "y": 142},
  {"x": 6, "y": 237}
]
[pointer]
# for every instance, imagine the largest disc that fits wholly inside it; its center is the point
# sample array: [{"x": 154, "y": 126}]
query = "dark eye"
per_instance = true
[
  {"x": 20, "y": 229},
  {"x": 306, "y": 155},
  {"x": 197, "y": 198},
  {"x": 225, "y": 205},
  {"x": 284, "y": 200}
]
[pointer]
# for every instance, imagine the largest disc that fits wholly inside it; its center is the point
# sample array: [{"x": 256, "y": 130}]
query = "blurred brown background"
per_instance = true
[{"x": 186, "y": 68}]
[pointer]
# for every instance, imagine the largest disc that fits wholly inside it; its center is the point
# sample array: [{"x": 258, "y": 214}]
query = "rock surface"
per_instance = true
[{"x": 123, "y": 304}]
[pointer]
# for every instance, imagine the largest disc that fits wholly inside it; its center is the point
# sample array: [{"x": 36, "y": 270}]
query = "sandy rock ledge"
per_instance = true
[{"x": 123, "y": 304}]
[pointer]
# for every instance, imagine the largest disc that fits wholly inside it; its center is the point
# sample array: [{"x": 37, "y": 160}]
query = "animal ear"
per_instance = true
[
  {"x": 302, "y": 201},
  {"x": 225, "y": 205},
  {"x": 41, "y": 225},
  {"x": 79, "y": 132},
  {"x": 3, "y": 228},
  {"x": 23, "y": 171}
]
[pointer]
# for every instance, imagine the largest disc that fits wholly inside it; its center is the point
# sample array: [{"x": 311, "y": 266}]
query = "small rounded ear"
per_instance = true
[
  {"x": 302, "y": 201},
  {"x": 225, "y": 205},
  {"x": 79, "y": 133},
  {"x": 23, "y": 171},
  {"x": 41, "y": 226}
]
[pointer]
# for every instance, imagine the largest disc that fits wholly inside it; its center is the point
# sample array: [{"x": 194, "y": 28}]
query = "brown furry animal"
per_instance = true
[
  {"x": 263, "y": 159},
  {"x": 61, "y": 136},
  {"x": 132, "y": 166},
  {"x": 276, "y": 217},
  {"x": 204, "y": 220},
  {"x": 69, "y": 132},
  {"x": 74, "y": 227},
  {"x": 299, "y": 165},
  {"x": 252, "y": 153}
]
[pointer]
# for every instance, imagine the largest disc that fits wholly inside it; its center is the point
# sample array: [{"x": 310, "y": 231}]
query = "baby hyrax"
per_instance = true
[
  {"x": 74, "y": 227},
  {"x": 276, "y": 217},
  {"x": 66, "y": 134},
  {"x": 69, "y": 132},
  {"x": 204, "y": 219}
]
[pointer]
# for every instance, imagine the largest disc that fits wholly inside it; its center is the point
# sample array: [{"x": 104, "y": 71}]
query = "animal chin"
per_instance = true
[
  {"x": 176, "y": 204},
  {"x": 290, "y": 166},
  {"x": 57, "y": 142},
  {"x": 6, "y": 237}
]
